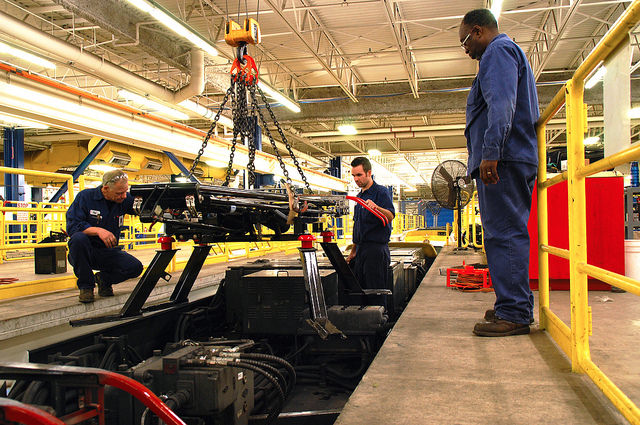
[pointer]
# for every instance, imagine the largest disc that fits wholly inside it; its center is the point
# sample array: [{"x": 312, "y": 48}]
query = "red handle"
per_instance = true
[
  {"x": 15, "y": 411},
  {"x": 362, "y": 203}
]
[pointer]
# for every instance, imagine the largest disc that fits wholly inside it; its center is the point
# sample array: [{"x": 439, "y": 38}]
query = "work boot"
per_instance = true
[
  {"x": 104, "y": 289},
  {"x": 490, "y": 316},
  {"x": 500, "y": 327},
  {"x": 86, "y": 296}
]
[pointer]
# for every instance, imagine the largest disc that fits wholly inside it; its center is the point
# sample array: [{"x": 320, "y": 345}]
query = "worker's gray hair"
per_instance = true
[{"x": 111, "y": 177}]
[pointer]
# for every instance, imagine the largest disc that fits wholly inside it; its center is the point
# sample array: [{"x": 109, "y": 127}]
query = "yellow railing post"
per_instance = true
[
  {"x": 577, "y": 225},
  {"x": 543, "y": 228}
]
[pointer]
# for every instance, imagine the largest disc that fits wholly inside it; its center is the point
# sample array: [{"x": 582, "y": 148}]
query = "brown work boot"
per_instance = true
[
  {"x": 490, "y": 316},
  {"x": 104, "y": 289},
  {"x": 86, "y": 296},
  {"x": 500, "y": 327}
]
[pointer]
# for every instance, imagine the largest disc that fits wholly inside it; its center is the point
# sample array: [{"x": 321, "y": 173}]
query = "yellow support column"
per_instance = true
[
  {"x": 577, "y": 225},
  {"x": 543, "y": 228}
]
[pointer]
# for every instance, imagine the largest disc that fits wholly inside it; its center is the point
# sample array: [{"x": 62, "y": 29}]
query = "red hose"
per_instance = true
[
  {"x": 140, "y": 392},
  {"x": 363, "y": 204},
  {"x": 15, "y": 411}
]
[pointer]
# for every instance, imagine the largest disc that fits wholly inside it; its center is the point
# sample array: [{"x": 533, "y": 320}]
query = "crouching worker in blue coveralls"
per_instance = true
[
  {"x": 94, "y": 220},
  {"x": 502, "y": 110},
  {"x": 370, "y": 250}
]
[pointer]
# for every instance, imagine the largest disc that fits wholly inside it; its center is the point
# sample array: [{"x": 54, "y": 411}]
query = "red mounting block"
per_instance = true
[
  {"x": 307, "y": 240},
  {"x": 327, "y": 235},
  {"x": 165, "y": 242}
]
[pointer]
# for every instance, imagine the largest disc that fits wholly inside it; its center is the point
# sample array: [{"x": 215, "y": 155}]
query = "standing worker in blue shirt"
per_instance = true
[
  {"x": 370, "y": 249},
  {"x": 94, "y": 220},
  {"x": 502, "y": 110}
]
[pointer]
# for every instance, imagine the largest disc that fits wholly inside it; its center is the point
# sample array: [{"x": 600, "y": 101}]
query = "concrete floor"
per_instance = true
[{"x": 432, "y": 370}]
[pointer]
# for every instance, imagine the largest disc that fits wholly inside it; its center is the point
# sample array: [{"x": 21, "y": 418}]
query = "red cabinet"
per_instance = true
[{"x": 605, "y": 230}]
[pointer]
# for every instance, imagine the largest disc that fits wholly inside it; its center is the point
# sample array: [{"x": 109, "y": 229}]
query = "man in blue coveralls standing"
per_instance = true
[
  {"x": 502, "y": 110},
  {"x": 370, "y": 249},
  {"x": 94, "y": 220}
]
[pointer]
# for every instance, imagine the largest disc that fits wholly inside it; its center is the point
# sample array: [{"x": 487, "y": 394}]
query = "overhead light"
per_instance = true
[
  {"x": 152, "y": 106},
  {"x": 174, "y": 24},
  {"x": 374, "y": 152},
  {"x": 275, "y": 94},
  {"x": 634, "y": 113},
  {"x": 205, "y": 112},
  {"x": 496, "y": 8},
  {"x": 20, "y": 122},
  {"x": 595, "y": 78},
  {"x": 347, "y": 129},
  {"x": 591, "y": 140},
  {"x": 102, "y": 167},
  {"x": 21, "y": 54}
]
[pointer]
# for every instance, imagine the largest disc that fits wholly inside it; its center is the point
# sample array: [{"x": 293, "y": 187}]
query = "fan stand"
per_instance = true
[{"x": 459, "y": 206}]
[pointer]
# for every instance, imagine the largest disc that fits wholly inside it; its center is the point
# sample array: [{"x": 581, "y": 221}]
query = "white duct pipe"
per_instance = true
[{"x": 113, "y": 74}]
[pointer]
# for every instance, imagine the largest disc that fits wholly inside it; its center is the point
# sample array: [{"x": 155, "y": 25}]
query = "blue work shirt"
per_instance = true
[
  {"x": 367, "y": 228},
  {"x": 502, "y": 107},
  {"x": 91, "y": 209}
]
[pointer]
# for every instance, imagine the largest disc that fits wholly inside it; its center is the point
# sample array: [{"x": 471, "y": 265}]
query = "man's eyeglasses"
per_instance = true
[{"x": 464, "y": 42}]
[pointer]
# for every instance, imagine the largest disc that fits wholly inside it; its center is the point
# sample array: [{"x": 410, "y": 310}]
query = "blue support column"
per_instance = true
[
  {"x": 335, "y": 167},
  {"x": 14, "y": 158},
  {"x": 180, "y": 166},
  {"x": 80, "y": 169}
]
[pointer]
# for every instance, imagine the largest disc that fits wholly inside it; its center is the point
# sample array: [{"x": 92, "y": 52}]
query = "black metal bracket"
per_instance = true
[{"x": 319, "y": 320}]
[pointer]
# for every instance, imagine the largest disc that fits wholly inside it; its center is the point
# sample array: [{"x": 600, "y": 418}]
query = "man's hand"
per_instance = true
[
  {"x": 107, "y": 237},
  {"x": 489, "y": 172},
  {"x": 371, "y": 204},
  {"x": 352, "y": 254}
]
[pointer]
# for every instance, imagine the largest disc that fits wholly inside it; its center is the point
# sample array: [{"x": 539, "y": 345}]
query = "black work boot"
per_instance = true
[
  {"x": 104, "y": 289},
  {"x": 86, "y": 296}
]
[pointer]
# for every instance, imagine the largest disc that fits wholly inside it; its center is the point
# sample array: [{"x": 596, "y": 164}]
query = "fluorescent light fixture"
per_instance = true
[
  {"x": 634, "y": 113},
  {"x": 206, "y": 112},
  {"x": 175, "y": 25},
  {"x": 275, "y": 94},
  {"x": 21, "y": 54},
  {"x": 496, "y": 8},
  {"x": 374, "y": 152},
  {"x": 595, "y": 78},
  {"x": 20, "y": 122},
  {"x": 70, "y": 113},
  {"x": 102, "y": 167},
  {"x": 152, "y": 106},
  {"x": 591, "y": 140},
  {"x": 347, "y": 129}
]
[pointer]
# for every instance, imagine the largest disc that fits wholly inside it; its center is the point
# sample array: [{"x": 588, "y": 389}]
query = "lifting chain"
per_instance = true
[
  {"x": 282, "y": 136},
  {"x": 244, "y": 122},
  {"x": 211, "y": 130}
]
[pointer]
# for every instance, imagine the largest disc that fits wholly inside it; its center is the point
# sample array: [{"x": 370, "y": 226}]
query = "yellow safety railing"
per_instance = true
[{"x": 574, "y": 339}]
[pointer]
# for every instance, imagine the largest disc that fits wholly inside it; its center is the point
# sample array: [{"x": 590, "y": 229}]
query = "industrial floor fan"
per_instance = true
[{"x": 453, "y": 189}]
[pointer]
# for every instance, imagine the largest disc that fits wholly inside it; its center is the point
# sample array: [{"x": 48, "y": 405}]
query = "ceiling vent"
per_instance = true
[
  {"x": 151, "y": 164},
  {"x": 119, "y": 158}
]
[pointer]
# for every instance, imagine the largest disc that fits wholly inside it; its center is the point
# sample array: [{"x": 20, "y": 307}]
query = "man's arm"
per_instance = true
[
  {"x": 105, "y": 236},
  {"x": 387, "y": 213},
  {"x": 498, "y": 78}
]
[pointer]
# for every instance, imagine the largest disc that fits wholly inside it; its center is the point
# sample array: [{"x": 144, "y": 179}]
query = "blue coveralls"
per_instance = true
[
  {"x": 372, "y": 240},
  {"x": 88, "y": 253},
  {"x": 502, "y": 109}
]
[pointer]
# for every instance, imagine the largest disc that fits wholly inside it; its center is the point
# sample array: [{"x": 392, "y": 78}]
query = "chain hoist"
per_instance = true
[{"x": 244, "y": 83}]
